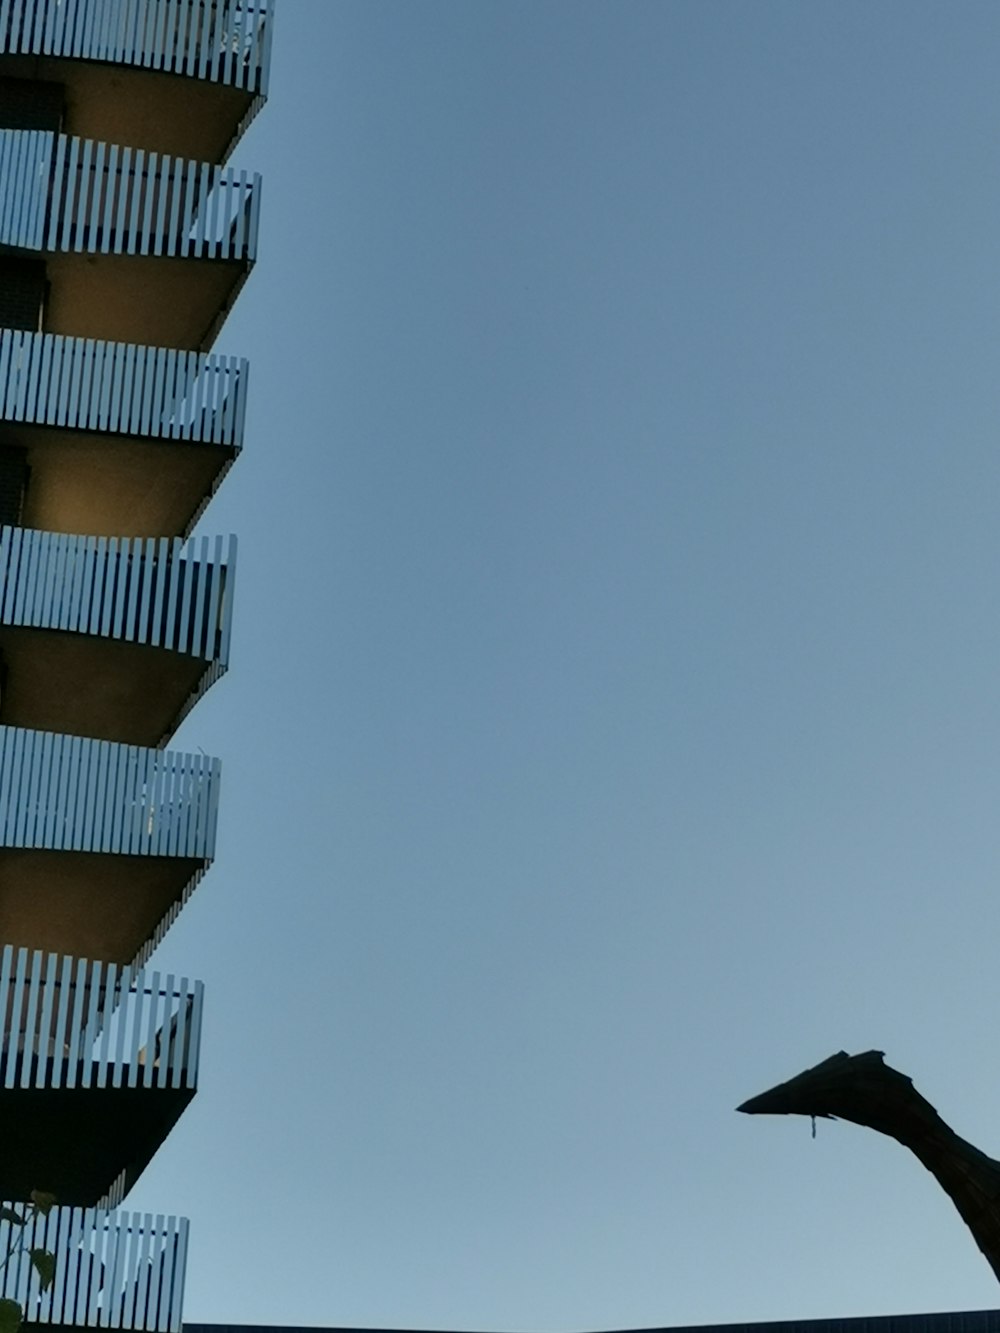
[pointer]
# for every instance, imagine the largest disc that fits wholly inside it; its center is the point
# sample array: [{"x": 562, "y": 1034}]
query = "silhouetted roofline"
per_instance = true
[{"x": 947, "y": 1321}]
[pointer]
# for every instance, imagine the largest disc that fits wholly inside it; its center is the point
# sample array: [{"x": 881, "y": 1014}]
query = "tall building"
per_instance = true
[{"x": 124, "y": 241}]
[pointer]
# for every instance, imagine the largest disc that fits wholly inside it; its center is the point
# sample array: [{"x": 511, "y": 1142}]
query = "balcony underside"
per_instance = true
[
  {"x": 148, "y": 109},
  {"x": 106, "y": 907},
  {"x": 42, "y": 1130},
  {"x": 114, "y": 486},
  {"x": 141, "y": 298},
  {"x": 82, "y": 685}
]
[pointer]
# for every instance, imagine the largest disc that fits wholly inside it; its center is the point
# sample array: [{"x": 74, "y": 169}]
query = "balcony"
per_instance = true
[
  {"x": 100, "y": 844},
  {"x": 119, "y": 440},
  {"x": 111, "y": 639},
  {"x": 113, "y": 225},
  {"x": 220, "y": 48},
  {"x": 92, "y": 1054},
  {"x": 113, "y": 1270}
]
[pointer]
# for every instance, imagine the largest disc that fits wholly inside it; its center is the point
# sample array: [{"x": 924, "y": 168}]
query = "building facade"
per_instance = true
[{"x": 124, "y": 241}]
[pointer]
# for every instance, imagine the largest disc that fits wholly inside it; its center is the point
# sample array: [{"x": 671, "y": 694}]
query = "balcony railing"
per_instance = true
[
  {"x": 82, "y": 384},
  {"x": 170, "y": 594},
  {"x": 71, "y": 1023},
  {"x": 67, "y": 194},
  {"x": 225, "y": 41},
  {"x": 68, "y": 793},
  {"x": 112, "y": 1269}
]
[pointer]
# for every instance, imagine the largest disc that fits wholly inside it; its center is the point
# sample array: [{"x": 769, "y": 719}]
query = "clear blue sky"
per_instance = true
[{"x": 613, "y": 722}]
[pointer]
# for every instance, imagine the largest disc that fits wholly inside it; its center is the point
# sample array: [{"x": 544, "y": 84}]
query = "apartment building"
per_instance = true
[{"x": 124, "y": 241}]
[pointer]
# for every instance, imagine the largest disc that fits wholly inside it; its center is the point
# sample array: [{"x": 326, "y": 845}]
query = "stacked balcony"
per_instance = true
[
  {"x": 221, "y": 48},
  {"x": 100, "y": 844},
  {"x": 112, "y": 1270},
  {"x": 124, "y": 241},
  {"x": 140, "y": 625},
  {"x": 91, "y": 1052},
  {"x": 118, "y": 440},
  {"x": 138, "y": 246}
]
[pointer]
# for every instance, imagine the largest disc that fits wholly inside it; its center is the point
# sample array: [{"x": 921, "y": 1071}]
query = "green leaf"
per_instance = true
[
  {"x": 11, "y": 1215},
  {"x": 43, "y": 1202},
  {"x": 10, "y": 1316},
  {"x": 45, "y": 1266}
]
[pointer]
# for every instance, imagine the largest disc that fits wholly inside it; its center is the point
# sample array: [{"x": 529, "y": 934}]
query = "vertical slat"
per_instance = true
[
  {"x": 92, "y": 1023},
  {"x": 139, "y": 1317},
  {"x": 77, "y": 1022},
  {"x": 133, "y": 163},
  {"x": 163, "y": 364},
  {"x": 9, "y": 1051},
  {"x": 125, "y": 1012},
  {"x": 238, "y": 227},
  {"x": 217, "y": 216},
  {"x": 115, "y": 190},
  {"x": 72, "y": 1270},
  {"x": 65, "y": 187},
  {"x": 75, "y": 411},
  {"x": 60, "y": 1037},
  {"x": 193, "y": 1053},
  {"x": 139, "y": 998},
  {"x": 176, "y": 1063},
  {"x": 117, "y": 1265},
  {"x": 207, "y": 643},
  {"x": 14, "y": 1038},
  {"x": 160, "y": 1038},
  {"x": 131, "y": 359},
  {"x": 50, "y": 999},
  {"x": 162, "y": 579},
  {"x": 101, "y": 198},
  {"x": 195, "y": 588},
  {"x": 173, "y": 168},
  {"x": 173, "y": 1322},
  {"x": 205, "y": 43},
  {"x": 147, "y": 406},
  {"x": 113, "y": 982},
  {"x": 33, "y": 1057},
  {"x": 114, "y": 362},
  {"x": 131, "y": 1274},
  {"x": 254, "y": 216},
  {"x": 148, "y": 244},
  {"x": 136, "y": 571}
]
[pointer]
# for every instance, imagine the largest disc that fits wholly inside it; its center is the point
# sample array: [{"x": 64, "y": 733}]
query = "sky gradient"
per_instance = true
[{"x": 612, "y": 724}]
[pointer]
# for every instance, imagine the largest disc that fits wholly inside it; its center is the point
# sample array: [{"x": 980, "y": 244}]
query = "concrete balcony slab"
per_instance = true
[
  {"x": 96, "y": 1050},
  {"x": 138, "y": 248},
  {"x": 111, "y": 639},
  {"x": 117, "y": 439},
  {"x": 184, "y": 77},
  {"x": 100, "y": 844}
]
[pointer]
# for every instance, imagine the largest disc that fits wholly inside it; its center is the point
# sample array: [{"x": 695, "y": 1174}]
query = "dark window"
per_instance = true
[
  {"x": 13, "y": 484},
  {"x": 30, "y": 104},
  {"x": 22, "y": 293}
]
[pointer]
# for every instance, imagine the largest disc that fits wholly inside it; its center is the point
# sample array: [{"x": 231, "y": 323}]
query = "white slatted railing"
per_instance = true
[
  {"x": 82, "y": 384},
  {"x": 68, "y": 793},
  {"x": 161, "y": 591},
  {"x": 225, "y": 41},
  {"x": 72, "y": 1023},
  {"x": 25, "y": 169},
  {"x": 69, "y": 194},
  {"x": 112, "y": 1269}
]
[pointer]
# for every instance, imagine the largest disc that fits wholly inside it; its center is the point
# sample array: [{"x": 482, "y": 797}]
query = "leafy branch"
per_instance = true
[{"x": 42, "y": 1261}]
